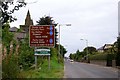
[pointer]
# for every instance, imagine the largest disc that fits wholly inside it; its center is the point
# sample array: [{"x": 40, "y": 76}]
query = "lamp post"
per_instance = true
[
  {"x": 86, "y": 48},
  {"x": 59, "y": 39}
]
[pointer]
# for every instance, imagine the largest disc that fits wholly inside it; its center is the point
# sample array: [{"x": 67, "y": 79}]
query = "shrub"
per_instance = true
[
  {"x": 98, "y": 57},
  {"x": 10, "y": 68}
]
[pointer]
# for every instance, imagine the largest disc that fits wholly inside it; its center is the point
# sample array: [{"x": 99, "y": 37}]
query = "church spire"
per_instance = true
[{"x": 28, "y": 20}]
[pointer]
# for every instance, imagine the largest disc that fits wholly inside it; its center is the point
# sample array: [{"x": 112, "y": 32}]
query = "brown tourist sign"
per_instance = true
[{"x": 42, "y": 36}]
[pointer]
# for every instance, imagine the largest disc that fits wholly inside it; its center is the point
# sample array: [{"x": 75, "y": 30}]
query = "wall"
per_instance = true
[{"x": 102, "y": 62}]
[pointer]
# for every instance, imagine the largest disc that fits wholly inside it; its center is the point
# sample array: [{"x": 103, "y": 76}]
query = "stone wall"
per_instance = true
[
  {"x": 102, "y": 62},
  {"x": 98, "y": 62}
]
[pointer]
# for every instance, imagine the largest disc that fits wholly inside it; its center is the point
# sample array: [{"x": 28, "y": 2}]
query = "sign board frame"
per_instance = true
[{"x": 53, "y": 36}]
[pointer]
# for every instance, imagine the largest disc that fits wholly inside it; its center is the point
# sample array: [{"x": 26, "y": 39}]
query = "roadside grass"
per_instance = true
[{"x": 56, "y": 69}]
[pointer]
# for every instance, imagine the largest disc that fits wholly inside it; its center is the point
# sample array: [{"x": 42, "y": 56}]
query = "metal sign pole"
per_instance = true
[
  {"x": 35, "y": 58},
  {"x": 49, "y": 62},
  {"x": 35, "y": 62}
]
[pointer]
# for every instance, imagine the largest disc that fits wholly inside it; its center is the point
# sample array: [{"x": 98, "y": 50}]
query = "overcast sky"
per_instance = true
[{"x": 94, "y": 20}]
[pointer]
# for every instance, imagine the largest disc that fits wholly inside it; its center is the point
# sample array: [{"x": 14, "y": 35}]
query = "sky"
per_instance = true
[{"x": 92, "y": 20}]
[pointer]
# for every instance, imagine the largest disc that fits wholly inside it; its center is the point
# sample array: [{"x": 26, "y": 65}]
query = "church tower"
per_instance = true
[{"x": 28, "y": 22}]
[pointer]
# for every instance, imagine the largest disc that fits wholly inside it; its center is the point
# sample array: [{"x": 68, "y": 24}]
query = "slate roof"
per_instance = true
[
  {"x": 13, "y": 29},
  {"x": 20, "y": 35},
  {"x": 101, "y": 48}
]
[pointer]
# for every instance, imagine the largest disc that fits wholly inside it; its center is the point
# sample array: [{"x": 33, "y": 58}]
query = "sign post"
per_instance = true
[
  {"x": 35, "y": 62},
  {"x": 42, "y": 36}
]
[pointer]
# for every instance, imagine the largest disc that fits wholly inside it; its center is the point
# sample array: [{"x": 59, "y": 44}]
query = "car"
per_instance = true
[{"x": 71, "y": 60}]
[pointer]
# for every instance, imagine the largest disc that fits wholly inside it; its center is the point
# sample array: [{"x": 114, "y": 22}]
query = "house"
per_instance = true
[
  {"x": 101, "y": 49},
  {"x": 18, "y": 36},
  {"x": 108, "y": 46},
  {"x": 105, "y": 48},
  {"x": 13, "y": 29}
]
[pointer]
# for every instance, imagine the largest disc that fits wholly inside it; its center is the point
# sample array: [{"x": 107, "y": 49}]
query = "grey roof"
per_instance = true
[
  {"x": 101, "y": 48},
  {"x": 20, "y": 35},
  {"x": 13, "y": 29}
]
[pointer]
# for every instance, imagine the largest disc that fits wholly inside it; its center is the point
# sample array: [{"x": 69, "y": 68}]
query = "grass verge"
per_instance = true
[{"x": 56, "y": 69}]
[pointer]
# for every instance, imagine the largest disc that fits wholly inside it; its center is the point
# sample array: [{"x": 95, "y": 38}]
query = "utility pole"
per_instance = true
[
  {"x": 118, "y": 39},
  {"x": 87, "y": 52},
  {"x": 59, "y": 40}
]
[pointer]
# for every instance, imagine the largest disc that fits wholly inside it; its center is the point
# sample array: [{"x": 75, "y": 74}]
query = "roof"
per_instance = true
[
  {"x": 20, "y": 35},
  {"x": 13, "y": 29},
  {"x": 107, "y": 46},
  {"x": 101, "y": 48}
]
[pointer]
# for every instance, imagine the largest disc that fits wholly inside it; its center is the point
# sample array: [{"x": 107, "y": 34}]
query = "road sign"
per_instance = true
[
  {"x": 42, "y": 36},
  {"x": 42, "y": 51}
]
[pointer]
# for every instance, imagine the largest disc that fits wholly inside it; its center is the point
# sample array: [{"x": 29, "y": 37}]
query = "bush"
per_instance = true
[
  {"x": 111, "y": 56},
  {"x": 26, "y": 56},
  {"x": 10, "y": 68},
  {"x": 98, "y": 57},
  {"x": 103, "y": 56}
]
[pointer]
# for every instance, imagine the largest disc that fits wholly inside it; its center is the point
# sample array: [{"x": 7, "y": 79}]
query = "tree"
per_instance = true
[
  {"x": 118, "y": 53},
  {"x": 47, "y": 20},
  {"x": 6, "y": 13},
  {"x": 62, "y": 50},
  {"x": 77, "y": 55},
  {"x": 90, "y": 50},
  {"x": 7, "y": 37},
  {"x": 10, "y": 68},
  {"x": 72, "y": 56}
]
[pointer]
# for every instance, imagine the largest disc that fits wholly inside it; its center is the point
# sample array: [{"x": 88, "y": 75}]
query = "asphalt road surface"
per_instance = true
[{"x": 84, "y": 70}]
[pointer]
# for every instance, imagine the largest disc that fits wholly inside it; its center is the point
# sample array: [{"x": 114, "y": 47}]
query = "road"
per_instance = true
[{"x": 84, "y": 70}]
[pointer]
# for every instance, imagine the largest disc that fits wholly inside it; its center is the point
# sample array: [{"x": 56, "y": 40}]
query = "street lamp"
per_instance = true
[
  {"x": 59, "y": 38},
  {"x": 86, "y": 48}
]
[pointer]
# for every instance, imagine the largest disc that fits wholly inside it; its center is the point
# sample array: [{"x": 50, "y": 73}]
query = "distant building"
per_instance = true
[
  {"x": 108, "y": 46},
  {"x": 13, "y": 29},
  {"x": 28, "y": 22},
  {"x": 18, "y": 36},
  {"x": 101, "y": 49},
  {"x": 24, "y": 29},
  {"x": 105, "y": 48}
]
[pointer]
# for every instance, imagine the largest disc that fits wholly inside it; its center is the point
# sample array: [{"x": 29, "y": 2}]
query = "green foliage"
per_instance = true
[
  {"x": 63, "y": 51},
  {"x": 26, "y": 55},
  {"x": 111, "y": 56},
  {"x": 90, "y": 50},
  {"x": 118, "y": 52},
  {"x": 77, "y": 56},
  {"x": 98, "y": 57},
  {"x": 56, "y": 69},
  {"x": 6, "y": 11},
  {"x": 47, "y": 20},
  {"x": 54, "y": 53},
  {"x": 103, "y": 57},
  {"x": 72, "y": 56},
  {"x": 0, "y": 34},
  {"x": 10, "y": 68},
  {"x": 7, "y": 36}
]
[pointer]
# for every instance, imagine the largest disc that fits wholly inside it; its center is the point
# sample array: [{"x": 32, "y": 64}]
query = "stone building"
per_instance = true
[
  {"x": 24, "y": 29},
  {"x": 28, "y": 22}
]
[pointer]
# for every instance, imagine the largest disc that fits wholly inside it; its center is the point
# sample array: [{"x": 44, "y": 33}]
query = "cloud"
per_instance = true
[{"x": 95, "y": 20}]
